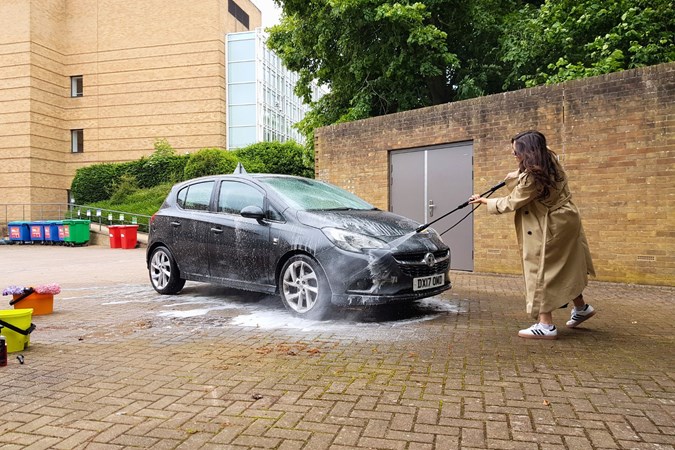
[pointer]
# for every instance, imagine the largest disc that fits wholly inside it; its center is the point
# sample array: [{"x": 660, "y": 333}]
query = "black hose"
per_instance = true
[{"x": 487, "y": 193}]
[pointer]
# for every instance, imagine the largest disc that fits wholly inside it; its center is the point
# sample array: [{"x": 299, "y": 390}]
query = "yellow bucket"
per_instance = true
[{"x": 16, "y": 323}]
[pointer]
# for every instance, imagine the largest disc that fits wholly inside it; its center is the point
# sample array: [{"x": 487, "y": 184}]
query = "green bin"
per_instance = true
[{"x": 76, "y": 231}]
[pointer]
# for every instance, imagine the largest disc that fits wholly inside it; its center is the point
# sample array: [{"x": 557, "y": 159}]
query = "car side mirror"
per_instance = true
[{"x": 253, "y": 212}]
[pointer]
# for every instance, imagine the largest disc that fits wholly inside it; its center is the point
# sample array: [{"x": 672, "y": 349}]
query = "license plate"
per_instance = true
[{"x": 432, "y": 281}]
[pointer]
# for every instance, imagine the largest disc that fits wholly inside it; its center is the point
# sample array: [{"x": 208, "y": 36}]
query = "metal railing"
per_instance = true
[{"x": 10, "y": 212}]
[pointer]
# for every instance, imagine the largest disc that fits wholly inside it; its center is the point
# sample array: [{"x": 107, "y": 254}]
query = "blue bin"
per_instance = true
[
  {"x": 52, "y": 231},
  {"x": 37, "y": 231},
  {"x": 19, "y": 231}
]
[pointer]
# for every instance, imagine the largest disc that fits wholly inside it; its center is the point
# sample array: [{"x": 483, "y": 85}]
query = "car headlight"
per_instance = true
[
  {"x": 431, "y": 232},
  {"x": 350, "y": 241}
]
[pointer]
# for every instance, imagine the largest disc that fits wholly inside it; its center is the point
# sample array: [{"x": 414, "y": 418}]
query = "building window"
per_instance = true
[
  {"x": 76, "y": 86},
  {"x": 237, "y": 12},
  {"x": 76, "y": 141}
]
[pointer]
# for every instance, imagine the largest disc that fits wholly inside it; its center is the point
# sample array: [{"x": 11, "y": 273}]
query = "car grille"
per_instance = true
[{"x": 414, "y": 264}]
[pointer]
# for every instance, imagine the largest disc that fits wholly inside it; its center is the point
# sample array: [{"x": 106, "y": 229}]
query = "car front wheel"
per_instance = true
[
  {"x": 304, "y": 288},
  {"x": 164, "y": 274}
]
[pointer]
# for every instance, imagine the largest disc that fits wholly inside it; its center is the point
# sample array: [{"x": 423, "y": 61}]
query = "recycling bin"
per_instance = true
[
  {"x": 37, "y": 231},
  {"x": 76, "y": 231},
  {"x": 114, "y": 232},
  {"x": 128, "y": 236},
  {"x": 52, "y": 234},
  {"x": 19, "y": 231},
  {"x": 62, "y": 231}
]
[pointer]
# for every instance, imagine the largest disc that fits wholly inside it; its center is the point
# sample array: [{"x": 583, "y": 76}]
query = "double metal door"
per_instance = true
[{"x": 428, "y": 182}]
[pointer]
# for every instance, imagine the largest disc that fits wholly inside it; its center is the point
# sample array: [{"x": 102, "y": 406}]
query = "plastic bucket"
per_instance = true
[
  {"x": 40, "y": 303},
  {"x": 21, "y": 320}
]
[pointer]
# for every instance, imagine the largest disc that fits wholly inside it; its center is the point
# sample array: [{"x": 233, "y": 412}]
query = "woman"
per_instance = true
[{"x": 555, "y": 255}]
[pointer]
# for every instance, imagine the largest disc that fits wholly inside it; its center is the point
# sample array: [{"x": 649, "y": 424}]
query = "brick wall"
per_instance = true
[{"x": 615, "y": 135}]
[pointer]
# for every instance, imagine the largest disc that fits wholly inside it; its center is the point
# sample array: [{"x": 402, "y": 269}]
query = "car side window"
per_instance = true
[
  {"x": 235, "y": 196},
  {"x": 196, "y": 196}
]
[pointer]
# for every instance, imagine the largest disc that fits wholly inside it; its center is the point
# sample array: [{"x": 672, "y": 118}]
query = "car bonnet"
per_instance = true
[{"x": 380, "y": 224}]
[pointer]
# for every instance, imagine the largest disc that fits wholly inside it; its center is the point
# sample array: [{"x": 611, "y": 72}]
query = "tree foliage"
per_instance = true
[
  {"x": 568, "y": 39},
  {"x": 380, "y": 56}
]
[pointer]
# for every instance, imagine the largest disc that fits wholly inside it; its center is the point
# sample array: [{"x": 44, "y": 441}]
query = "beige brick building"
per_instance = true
[
  {"x": 615, "y": 134},
  {"x": 124, "y": 72}
]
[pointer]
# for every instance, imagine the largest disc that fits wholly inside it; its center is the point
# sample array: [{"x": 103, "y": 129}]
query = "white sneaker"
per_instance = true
[
  {"x": 539, "y": 331},
  {"x": 580, "y": 316}
]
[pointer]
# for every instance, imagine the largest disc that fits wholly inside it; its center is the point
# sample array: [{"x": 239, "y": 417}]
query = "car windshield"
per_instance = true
[{"x": 311, "y": 195}]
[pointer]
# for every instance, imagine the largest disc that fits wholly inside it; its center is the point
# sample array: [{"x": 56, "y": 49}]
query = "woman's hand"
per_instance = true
[{"x": 476, "y": 198}]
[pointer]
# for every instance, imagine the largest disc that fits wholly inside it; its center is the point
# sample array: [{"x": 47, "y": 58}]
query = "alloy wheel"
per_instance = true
[
  {"x": 300, "y": 286},
  {"x": 160, "y": 267}
]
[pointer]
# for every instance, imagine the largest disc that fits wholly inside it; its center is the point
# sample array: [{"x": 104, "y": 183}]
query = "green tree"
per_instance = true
[
  {"x": 378, "y": 57},
  {"x": 569, "y": 39}
]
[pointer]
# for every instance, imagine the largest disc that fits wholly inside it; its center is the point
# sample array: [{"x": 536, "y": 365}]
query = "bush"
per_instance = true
[
  {"x": 161, "y": 167},
  {"x": 96, "y": 182},
  {"x": 126, "y": 186},
  {"x": 210, "y": 161},
  {"x": 276, "y": 157},
  {"x": 156, "y": 170}
]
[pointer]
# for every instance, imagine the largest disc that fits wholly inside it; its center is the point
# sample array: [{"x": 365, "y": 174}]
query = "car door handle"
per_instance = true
[
  {"x": 217, "y": 230},
  {"x": 175, "y": 224}
]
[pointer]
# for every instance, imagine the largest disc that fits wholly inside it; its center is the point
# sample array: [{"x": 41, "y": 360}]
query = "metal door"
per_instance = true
[{"x": 431, "y": 181}]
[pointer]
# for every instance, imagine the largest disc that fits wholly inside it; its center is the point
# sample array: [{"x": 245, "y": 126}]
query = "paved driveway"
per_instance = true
[{"x": 119, "y": 366}]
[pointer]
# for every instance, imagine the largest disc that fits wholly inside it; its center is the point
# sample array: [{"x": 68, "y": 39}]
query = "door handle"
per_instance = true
[
  {"x": 175, "y": 224},
  {"x": 431, "y": 208},
  {"x": 217, "y": 230}
]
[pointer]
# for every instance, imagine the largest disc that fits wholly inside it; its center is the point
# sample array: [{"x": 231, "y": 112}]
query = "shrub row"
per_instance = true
[{"x": 102, "y": 181}]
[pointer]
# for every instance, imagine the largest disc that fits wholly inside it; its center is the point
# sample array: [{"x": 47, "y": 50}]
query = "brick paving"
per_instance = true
[{"x": 117, "y": 366}]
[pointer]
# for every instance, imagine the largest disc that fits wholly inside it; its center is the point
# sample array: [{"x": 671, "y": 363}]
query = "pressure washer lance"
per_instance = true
[{"x": 487, "y": 193}]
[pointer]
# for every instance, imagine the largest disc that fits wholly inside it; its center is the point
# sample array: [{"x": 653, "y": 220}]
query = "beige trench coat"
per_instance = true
[{"x": 555, "y": 254}]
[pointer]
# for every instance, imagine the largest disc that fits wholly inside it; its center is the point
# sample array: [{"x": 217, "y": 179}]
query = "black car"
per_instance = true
[{"x": 308, "y": 241}]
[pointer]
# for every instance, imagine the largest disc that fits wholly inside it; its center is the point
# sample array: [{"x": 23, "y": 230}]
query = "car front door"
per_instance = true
[{"x": 239, "y": 247}]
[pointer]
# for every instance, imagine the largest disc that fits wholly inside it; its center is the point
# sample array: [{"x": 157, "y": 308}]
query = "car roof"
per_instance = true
[{"x": 237, "y": 176}]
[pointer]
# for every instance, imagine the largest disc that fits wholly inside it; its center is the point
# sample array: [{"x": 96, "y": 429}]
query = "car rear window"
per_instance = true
[
  {"x": 195, "y": 196},
  {"x": 306, "y": 194}
]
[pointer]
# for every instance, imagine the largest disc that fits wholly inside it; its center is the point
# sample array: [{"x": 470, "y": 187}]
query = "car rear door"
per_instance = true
[
  {"x": 239, "y": 248},
  {"x": 190, "y": 226}
]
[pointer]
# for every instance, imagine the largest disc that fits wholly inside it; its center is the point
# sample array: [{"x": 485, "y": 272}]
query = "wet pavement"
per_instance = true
[{"x": 119, "y": 366}]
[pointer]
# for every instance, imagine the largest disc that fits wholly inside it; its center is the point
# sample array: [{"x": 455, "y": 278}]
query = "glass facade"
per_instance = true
[{"x": 261, "y": 106}]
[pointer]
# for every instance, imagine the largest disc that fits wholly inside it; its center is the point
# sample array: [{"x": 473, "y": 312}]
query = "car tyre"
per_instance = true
[
  {"x": 164, "y": 274},
  {"x": 304, "y": 288}
]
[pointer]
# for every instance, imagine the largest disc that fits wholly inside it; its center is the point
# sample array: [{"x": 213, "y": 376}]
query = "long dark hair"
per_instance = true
[{"x": 536, "y": 158}]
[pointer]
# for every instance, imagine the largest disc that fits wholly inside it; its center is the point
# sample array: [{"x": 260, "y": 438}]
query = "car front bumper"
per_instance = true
[{"x": 379, "y": 277}]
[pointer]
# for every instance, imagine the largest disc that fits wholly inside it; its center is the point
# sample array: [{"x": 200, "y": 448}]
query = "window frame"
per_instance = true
[
  {"x": 74, "y": 91},
  {"x": 77, "y": 140}
]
